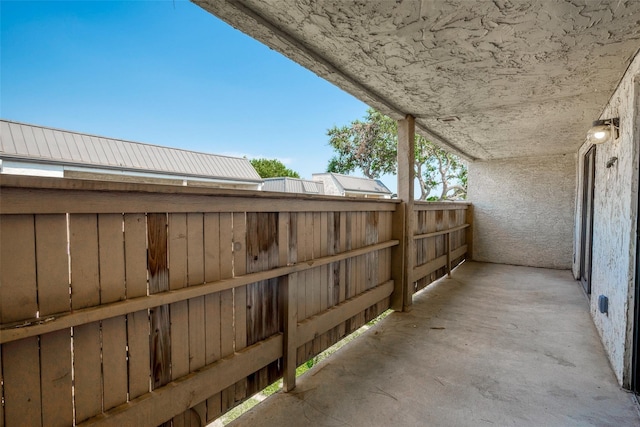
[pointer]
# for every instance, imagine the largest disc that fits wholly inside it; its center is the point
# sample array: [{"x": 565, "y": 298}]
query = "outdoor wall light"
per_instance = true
[{"x": 602, "y": 130}]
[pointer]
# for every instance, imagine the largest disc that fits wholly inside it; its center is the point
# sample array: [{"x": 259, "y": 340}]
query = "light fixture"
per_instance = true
[{"x": 602, "y": 130}]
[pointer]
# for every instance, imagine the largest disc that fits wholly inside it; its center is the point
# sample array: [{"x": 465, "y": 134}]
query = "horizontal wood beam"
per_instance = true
[
  {"x": 316, "y": 325},
  {"x": 428, "y": 268},
  {"x": 79, "y": 317},
  {"x": 161, "y": 404},
  {"x": 440, "y": 206},
  {"x": 51, "y": 201},
  {"x": 441, "y": 232}
]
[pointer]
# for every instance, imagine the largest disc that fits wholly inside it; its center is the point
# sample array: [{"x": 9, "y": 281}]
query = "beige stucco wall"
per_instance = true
[
  {"x": 523, "y": 210},
  {"x": 614, "y": 224}
]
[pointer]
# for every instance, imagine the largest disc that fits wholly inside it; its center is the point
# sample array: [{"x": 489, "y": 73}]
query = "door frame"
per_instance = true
[{"x": 586, "y": 220}]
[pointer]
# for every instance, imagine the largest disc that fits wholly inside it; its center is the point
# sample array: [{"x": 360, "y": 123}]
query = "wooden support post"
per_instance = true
[
  {"x": 290, "y": 316},
  {"x": 406, "y": 176}
]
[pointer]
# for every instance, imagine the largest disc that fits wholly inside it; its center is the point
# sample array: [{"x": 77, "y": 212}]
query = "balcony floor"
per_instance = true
[{"x": 495, "y": 345}]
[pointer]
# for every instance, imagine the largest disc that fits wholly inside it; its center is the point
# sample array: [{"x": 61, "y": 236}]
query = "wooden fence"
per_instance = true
[
  {"x": 442, "y": 230},
  {"x": 125, "y": 304}
]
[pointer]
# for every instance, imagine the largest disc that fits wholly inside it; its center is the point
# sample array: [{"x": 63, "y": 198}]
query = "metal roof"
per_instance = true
[
  {"x": 293, "y": 185},
  {"x": 53, "y": 146},
  {"x": 357, "y": 184}
]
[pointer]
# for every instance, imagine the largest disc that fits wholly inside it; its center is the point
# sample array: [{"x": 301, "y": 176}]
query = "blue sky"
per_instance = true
[{"x": 166, "y": 73}]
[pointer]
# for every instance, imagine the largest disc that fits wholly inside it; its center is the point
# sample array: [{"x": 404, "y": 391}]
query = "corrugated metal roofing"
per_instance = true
[
  {"x": 42, "y": 144},
  {"x": 358, "y": 184},
  {"x": 293, "y": 185}
]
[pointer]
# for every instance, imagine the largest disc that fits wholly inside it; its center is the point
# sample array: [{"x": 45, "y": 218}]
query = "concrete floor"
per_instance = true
[{"x": 495, "y": 345}]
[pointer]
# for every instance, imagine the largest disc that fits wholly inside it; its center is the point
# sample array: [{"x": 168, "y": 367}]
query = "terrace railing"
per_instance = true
[{"x": 132, "y": 304}]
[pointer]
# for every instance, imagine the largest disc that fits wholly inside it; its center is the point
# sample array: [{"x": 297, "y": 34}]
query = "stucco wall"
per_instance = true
[
  {"x": 523, "y": 210},
  {"x": 614, "y": 224}
]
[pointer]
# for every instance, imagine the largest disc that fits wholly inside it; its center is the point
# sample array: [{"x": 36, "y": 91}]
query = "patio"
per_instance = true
[{"x": 493, "y": 345}]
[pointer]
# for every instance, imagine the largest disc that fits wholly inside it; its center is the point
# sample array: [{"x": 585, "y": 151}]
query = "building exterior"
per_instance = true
[
  {"x": 41, "y": 151},
  {"x": 514, "y": 91},
  {"x": 352, "y": 186},
  {"x": 293, "y": 185}
]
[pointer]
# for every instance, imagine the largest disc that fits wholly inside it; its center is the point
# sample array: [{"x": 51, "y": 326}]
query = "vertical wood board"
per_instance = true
[
  {"x": 55, "y": 378},
  {"x": 52, "y": 264},
  {"x": 83, "y": 247},
  {"x": 18, "y": 293}
]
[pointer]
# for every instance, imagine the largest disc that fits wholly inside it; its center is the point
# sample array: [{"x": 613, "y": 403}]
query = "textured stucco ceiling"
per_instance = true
[{"x": 524, "y": 78}]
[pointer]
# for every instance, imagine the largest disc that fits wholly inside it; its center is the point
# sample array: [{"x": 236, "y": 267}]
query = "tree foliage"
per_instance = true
[
  {"x": 370, "y": 145},
  {"x": 272, "y": 168}
]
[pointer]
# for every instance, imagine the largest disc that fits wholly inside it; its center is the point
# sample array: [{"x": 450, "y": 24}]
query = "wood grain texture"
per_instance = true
[
  {"x": 21, "y": 371},
  {"x": 160, "y": 324},
  {"x": 111, "y": 257},
  {"x": 41, "y": 200},
  {"x": 212, "y": 304},
  {"x": 163, "y": 403},
  {"x": 240, "y": 293},
  {"x": 83, "y": 248},
  {"x": 52, "y": 264},
  {"x": 87, "y": 366},
  {"x": 18, "y": 293},
  {"x": 139, "y": 353},
  {"x": 135, "y": 249},
  {"x": 106, "y": 311},
  {"x": 114, "y": 362}
]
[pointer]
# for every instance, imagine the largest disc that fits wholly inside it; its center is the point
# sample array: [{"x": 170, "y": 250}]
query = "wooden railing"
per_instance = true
[
  {"x": 442, "y": 230},
  {"x": 126, "y": 304}
]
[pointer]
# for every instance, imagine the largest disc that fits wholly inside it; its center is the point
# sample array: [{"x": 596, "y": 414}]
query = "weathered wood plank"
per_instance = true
[
  {"x": 1, "y": 406},
  {"x": 154, "y": 408},
  {"x": 240, "y": 293},
  {"x": 87, "y": 367},
  {"x": 160, "y": 324},
  {"x": 114, "y": 361},
  {"x": 212, "y": 303},
  {"x": 177, "y": 240},
  {"x": 226, "y": 302},
  {"x": 135, "y": 248},
  {"x": 440, "y": 206},
  {"x": 112, "y": 288},
  {"x": 316, "y": 279},
  {"x": 441, "y": 232},
  {"x": 52, "y": 264},
  {"x": 300, "y": 236},
  {"x": 139, "y": 353},
  {"x": 398, "y": 256},
  {"x": 437, "y": 263},
  {"x": 83, "y": 247},
  {"x": 195, "y": 271},
  {"x": 322, "y": 322},
  {"x": 44, "y": 201},
  {"x": 179, "y": 314},
  {"x": 78, "y": 317},
  {"x": 21, "y": 371},
  {"x": 111, "y": 258},
  {"x": 18, "y": 293}
]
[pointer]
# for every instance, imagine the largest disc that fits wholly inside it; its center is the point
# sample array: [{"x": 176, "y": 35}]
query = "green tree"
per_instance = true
[
  {"x": 272, "y": 168},
  {"x": 371, "y": 145},
  {"x": 367, "y": 145}
]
